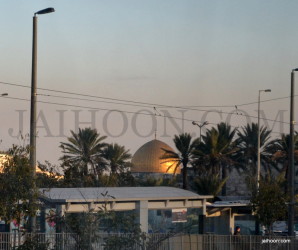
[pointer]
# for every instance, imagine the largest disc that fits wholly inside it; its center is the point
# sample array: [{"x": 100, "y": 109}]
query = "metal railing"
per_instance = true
[{"x": 68, "y": 241}]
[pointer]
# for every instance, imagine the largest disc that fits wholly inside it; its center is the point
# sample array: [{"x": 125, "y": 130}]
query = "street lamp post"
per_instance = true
[
  {"x": 200, "y": 126},
  {"x": 257, "y": 224},
  {"x": 259, "y": 138},
  {"x": 202, "y": 217},
  {"x": 291, "y": 172},
  {"x": 33, "y": 102}
]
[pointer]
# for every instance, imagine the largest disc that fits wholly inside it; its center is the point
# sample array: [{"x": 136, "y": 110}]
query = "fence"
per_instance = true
[{"x": 66, "y": 241}]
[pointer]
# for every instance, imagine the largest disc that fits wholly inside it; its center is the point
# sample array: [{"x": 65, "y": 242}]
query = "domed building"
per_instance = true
[{"x": 146, "y": 160}]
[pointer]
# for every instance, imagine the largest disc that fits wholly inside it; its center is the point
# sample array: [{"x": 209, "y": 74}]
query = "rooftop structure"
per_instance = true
[{"x": 140, "y": 199}]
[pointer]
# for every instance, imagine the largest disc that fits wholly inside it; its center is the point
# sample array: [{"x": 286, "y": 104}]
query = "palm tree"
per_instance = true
[
  {"x": 185, "y": 146},
  {"x": 279, "y": 149},
  {"x": 229, "y": 145},
  {"x": 209, "y": 184},
  {"x": 217, "y": 151},
  {"x": 117, "y": 157},
  {"x": 83, "y": 150},
  {"x": 248, "y": 144}
]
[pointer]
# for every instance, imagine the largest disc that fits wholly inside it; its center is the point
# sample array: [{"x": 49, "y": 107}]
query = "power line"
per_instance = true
[
  {"x": 134, "y": 103},
  {"x": 89, "y": 100},
  {"x": 86, "y": 95},
  {"x": 268, "y": 100},
  {"x": 144, "y": 103},
  {"x": 199, "y": 110},
  {"x": 124, "y": 111},
  {"x": 239, "y": 105},
  {"x": 103, "y": 109}
]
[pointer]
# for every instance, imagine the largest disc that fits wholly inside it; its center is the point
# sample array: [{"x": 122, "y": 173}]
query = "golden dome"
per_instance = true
[{"x": 147, "y": 159}]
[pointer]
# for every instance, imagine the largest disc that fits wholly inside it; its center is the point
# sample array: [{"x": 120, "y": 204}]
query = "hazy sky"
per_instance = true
[{"x": 175, "y": 53}]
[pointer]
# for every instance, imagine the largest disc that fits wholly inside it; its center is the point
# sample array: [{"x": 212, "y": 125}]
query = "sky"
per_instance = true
[{"x": 163, "y": 64}]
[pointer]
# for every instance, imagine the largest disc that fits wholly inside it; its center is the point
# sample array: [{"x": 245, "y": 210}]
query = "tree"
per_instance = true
[
  {"x": 185, "y": 146},
  {"x": 209, "y": 184},
  {"x": 83, "y": 151},
  {"x": 269, "y": 202},
  {"x": 279, "y": 150},
  {"x": 73, "y": 177},
  {"x": 18, "y": 192},
  {"x": 117, "y": 158},
  {"x": 48, "y": 176},
  {"x": 214, "y": 151},
  {"x": 248, "y": 144},
  {"x": 87, "y": 224},
  {"x": 124, "y": 222},
  {"x": 216, "y": 154},
  {"x": 123, "y": 179}
]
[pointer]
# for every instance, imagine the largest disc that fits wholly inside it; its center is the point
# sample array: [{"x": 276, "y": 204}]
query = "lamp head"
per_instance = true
[
  {"x": 267, "y": 90},
  {"x": 45, "y": 11},
  {"x": 295, "y": 69},
  {"x": 194, "y": 123},
  {"x": 4, "y": 94}
]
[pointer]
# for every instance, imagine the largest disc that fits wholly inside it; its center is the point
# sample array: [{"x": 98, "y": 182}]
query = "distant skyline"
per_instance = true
[{"x": 208, "y": 55}]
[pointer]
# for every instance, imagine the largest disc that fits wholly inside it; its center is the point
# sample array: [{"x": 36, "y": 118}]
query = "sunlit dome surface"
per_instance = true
[{"x": 147, "y": 159}]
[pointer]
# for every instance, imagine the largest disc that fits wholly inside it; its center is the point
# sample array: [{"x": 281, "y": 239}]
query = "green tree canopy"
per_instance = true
[
  {"x": 248, "y": 144},
  {"x": 17, "y": 185},
  {"x": 117, "y": 158},
  {"x": 185, "y": 146},
  {"x": 216, "y": 154},
  {"x": 82, "y": 152},
  {"x": 209, "y": 184},
  {"x": 278, "y": 151},
  {"x": 269, "y": 202}
]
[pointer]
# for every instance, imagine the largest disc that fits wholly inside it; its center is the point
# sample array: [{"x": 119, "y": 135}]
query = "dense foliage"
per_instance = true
[
  {"x": 17, "y": 185},
  {"x": 269, "y": 202}
]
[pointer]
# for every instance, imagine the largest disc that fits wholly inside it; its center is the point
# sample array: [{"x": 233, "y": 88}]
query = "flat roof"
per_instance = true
[
  {"x": 240, "y": 203},
  {"x": 118, "y": 194}
]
